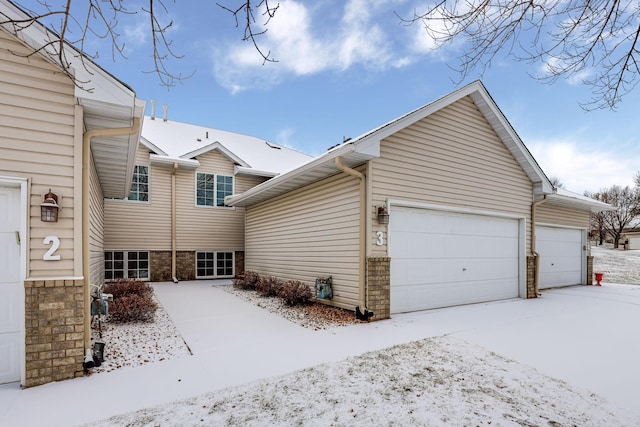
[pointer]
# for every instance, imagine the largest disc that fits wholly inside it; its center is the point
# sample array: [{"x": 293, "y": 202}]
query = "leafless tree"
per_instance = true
[
  {"x": 613, "y": 223},
  {"x": 78, "y": 22},
  {"x": 595, "y": 41},
  {"x": 555, "y": 181}
]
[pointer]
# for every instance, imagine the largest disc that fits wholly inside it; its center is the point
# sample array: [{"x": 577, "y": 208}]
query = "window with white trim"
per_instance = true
[
  {"x": 140, "y": 184},
  {"x": 211, "y": 189},
  {"x": 214, "y": 264},
  {"x": 126, "y": 265}
]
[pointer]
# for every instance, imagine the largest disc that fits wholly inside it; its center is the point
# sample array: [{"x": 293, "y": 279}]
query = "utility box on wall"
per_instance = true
[{"x": 323, "y": 288}]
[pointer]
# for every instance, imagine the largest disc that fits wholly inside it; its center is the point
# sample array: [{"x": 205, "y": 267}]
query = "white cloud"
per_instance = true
[
  {"x": 581, "y": 167},
  {"x": 306, "y": 40}
]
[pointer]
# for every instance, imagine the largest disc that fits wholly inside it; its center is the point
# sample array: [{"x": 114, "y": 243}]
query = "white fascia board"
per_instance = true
[
  {"x": 216, "y": 146},
  {"x": 165, "y": 161},
  {"x": 241, "y": 170},
  {"x": 151, "y": 146},
  {"x": 578, "y": 201}
]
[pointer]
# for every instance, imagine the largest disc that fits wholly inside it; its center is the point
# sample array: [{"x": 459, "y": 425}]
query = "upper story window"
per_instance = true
[
  {"x": 140, "y": 184},
  {"x": 212, "y": 189}
]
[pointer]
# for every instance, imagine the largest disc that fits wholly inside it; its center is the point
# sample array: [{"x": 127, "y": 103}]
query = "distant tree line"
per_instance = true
[{"x": 624, "y": 218}]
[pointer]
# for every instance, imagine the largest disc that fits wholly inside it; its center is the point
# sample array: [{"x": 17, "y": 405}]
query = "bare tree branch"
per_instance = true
[
  {"x": 99, "y": 19},
  {"x": 594, "y": 41}
]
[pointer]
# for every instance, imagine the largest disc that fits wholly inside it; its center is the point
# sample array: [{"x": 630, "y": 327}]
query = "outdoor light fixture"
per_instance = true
[
  {"x": 49, "y": 208},
  {"x": 383, "y": 215}
]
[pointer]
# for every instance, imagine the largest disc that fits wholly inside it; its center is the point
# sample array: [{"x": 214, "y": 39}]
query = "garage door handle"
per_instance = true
[
  {"x": 18, "y": 238},
  {"x": 464, "y": 269}
]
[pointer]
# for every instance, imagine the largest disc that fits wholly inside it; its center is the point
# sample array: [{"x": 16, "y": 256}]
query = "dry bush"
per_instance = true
[
  {"x": 125, "y": 287},
  {"x": 132, "y": 308},
  {"x": 247, "y": 280},
  {"x": 269, "y": 286},
  {"x": 295, "y": 292}
]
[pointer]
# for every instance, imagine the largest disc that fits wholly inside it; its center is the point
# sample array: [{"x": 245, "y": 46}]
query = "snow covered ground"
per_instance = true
[
  {"x": 618, "y": 265},
  {"x": 441, "y": 380},
  {"x": 435, "y": 381},
  {"x": 547, "y": 361}
]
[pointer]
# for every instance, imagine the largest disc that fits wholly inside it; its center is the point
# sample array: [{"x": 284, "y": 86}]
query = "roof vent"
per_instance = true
[
  {"x": 153, "y": 109},
  {"x": 273, "y": 146},
  {"x": 165, "y": 107},
  {"x": 207, "y": 134}
]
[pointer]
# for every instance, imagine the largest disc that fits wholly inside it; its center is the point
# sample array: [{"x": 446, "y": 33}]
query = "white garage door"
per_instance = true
[
  {"x": 561, "y": 256},
  {"x": 441, "y": 259},
  {"x": 10, "y": 286}
]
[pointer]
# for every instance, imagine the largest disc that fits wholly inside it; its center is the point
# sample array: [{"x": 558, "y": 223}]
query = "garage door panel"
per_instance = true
[
  {"x": 442, "y": 258},
  {"x": 561, "y": 256}
]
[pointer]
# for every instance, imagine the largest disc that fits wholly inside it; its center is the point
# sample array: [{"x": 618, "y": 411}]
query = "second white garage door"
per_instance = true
[
  {"x": 441, "y": 259},
  {"x": 561, "y": 256}
]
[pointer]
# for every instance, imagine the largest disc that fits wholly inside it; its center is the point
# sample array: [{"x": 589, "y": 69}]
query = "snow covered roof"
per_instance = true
[{"x": 171, "y": 140}]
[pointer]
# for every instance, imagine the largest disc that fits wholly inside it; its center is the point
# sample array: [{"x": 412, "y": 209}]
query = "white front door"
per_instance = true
[
  {"x": 561, "y": 256},
  {"x": 441, "y": 259},
  {"x": 10, "y": 286}
]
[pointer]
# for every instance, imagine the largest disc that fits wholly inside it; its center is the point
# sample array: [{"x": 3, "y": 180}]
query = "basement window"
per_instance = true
[
  {"x": 126, "y": 265},
  {"x": 211, "y": 265}
]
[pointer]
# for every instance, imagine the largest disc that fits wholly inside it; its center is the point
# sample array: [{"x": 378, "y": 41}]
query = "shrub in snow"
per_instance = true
[
  {"x": 132, "y": 308},
  {"x": 124, "y": 287},
  {"x": 268, "y": 286},
  {"x": 132, "y": 301},
  {"x": 246, "y": 280},
  {"x": 295, "y": 292}
]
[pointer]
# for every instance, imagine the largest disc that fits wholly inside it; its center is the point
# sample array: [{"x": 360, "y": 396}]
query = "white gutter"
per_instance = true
[
  {"x": 361, "y": 310},
  {"x": 86, "y": 164},
  {"x": 169, "y": 162}
]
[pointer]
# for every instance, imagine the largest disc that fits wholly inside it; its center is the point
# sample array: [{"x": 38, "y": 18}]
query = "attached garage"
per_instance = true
[
  {"x": 561, "y": 256},
  {"x": 441, "y": 258}
]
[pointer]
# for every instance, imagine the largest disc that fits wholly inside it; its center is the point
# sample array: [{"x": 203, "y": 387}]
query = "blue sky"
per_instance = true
[{"x": 345, "y": 67}]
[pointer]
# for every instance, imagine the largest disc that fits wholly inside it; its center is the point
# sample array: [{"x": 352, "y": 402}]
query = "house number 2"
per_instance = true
[
  {"x": 54, "y": 241},
  {"x": 380, "y": 238}
]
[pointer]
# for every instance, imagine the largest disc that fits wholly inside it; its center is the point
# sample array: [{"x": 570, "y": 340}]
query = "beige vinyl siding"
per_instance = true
[
  {"x": 96, "y": 229},
  {"x": 451, "y": 158},
  {"x": 37, "y": 142},
  {"x": 549, "y": 214},
  {"x": 141, "y": 225},
  {"x": 307, "y": 233},
  {"x": 207, "y": 227},
  {"x": 147, "y": 225}
]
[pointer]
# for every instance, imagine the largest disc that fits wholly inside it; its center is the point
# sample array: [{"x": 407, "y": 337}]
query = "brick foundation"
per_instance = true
[
  {"x": 160, "y": 266},
  {"x": 185, "y": 265},
  {"x": 379, "y": 287},
  {"x": 589, "y": 270},
  {"x": 239, "y": 262},
  {"x": 531, "y": 277},
  {"x": 54, "y": 330}
]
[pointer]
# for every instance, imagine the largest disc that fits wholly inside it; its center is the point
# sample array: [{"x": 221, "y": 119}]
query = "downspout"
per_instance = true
[
  {"x": 173, "y": 223},
  {"x": 361, "y": 311},
  {"x": 533, "y": 242},
  {"x": 86, "y": 194}
]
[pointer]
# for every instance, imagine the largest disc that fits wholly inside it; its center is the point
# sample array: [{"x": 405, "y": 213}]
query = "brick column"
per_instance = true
[
  {"x": 531, "y": 277},
  {"x": 54, "y": 321},
  {"x": 186, "y": 265},
  {"x": 379, "y": 287},
  {"x": 590, "y": 270}
]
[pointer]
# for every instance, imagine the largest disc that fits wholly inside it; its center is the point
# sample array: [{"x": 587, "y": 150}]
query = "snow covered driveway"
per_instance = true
[{"x": 491, "y": 362}]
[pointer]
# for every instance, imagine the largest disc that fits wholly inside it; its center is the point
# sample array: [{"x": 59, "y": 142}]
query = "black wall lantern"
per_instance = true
[
  {"x": 49, "y": 208},
  {"x": 383, "y": 215}
]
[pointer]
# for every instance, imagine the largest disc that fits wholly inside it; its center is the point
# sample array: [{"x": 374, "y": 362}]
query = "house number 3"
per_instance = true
[
  {"x": 54, "y": 241},
  {"x": 380, "y": 238}
]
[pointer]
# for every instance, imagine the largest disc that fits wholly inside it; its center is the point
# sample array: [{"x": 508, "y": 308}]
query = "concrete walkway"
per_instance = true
[{"x": 583, "y": 335}]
